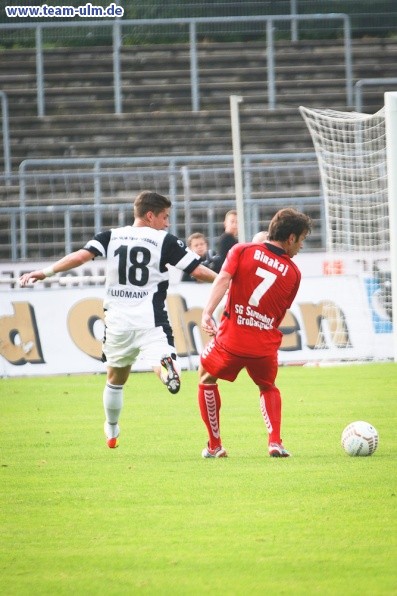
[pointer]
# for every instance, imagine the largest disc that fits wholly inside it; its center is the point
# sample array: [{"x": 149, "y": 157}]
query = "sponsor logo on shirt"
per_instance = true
[
  {"x": 132, "y": 238},
  {"x": 255, "y": 319}
]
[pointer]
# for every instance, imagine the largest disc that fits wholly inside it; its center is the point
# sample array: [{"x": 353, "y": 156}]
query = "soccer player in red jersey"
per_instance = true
[{"x": 262, "y": 281}]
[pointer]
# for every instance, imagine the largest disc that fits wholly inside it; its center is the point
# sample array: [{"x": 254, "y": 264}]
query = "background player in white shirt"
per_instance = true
[{"x": 137, "y": 278}]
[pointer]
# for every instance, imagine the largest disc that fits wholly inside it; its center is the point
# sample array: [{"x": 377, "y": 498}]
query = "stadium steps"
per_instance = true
[
  {"x": 184, "y": 134},
  {"x": 146, "y": 66},
  {"x": 116, "y": 183},
  {"x": 157, "y": 116}
]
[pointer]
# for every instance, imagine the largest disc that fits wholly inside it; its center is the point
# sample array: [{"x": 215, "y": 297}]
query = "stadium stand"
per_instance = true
[
  {"x": 157, "y": 120},
  {"x": 157, "y": 117}
]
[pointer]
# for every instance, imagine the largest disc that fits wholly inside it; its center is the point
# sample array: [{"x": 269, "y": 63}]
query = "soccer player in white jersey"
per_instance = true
[{"x": 136, "y": 321}]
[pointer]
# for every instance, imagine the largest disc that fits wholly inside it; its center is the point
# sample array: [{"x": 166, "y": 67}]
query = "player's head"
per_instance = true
[
  {"x": 198, "y": 243},
  {"x": 150, "y": 201},
  {"x": 260, "y": 237},
  {"x": 289, "y": 221},
  {"x": 230, "y": 222},
  {"x": 289, "y": 228},
  {"x": 153, "y": 209}
]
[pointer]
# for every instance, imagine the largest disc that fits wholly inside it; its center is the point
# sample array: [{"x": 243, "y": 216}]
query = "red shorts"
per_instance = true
[{"x": 221, "y": 364}]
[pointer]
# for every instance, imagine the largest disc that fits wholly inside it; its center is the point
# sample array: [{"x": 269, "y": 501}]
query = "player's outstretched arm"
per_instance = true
[
  {"x": 218, "y": 290},
  {"x": 203, "y": 273},
  {"x": 70, "y": 261}
]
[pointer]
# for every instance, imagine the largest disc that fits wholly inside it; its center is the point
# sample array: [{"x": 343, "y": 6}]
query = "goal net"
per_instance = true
[{"x": 351, "y": 154}]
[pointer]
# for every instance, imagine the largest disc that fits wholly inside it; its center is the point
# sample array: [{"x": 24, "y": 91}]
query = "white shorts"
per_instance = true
[{"x": 122, "y": 348}]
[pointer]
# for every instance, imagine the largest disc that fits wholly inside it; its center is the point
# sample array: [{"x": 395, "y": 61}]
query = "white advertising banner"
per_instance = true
[
  {"x": 311, "y": 265},
  {"x": 57, "y": 330}
]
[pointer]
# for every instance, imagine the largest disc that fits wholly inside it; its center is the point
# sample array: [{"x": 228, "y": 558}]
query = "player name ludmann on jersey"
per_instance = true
[
  {"x": 251, "y": 318},
  {"x": 271, "y": 262},
  {"x": 126, "y": 293}
]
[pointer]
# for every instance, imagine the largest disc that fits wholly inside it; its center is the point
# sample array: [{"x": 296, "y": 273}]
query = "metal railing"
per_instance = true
[
  {"x": 56, "y": 209},
  {"x": 6, "y": 136},
  {"x": 359, "y": 87},
  {"x": 191, "y": 23}
]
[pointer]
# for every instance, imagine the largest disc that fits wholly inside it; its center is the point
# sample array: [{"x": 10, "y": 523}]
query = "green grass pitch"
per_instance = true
[{"x": 153, "y": 517}]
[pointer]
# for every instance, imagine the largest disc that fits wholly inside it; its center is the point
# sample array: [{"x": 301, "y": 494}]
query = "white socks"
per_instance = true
[{"x": 112, "y": 404}]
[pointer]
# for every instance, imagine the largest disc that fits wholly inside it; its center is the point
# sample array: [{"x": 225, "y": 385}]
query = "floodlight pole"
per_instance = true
[
  {"x": 238, "y": 173},
  {"x": 391, "y": 153}
]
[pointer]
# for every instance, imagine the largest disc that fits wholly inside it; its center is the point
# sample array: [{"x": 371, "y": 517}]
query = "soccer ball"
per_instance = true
[{"x": 360, "y": 438}]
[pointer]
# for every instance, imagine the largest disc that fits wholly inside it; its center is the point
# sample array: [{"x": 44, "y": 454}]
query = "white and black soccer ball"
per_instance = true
[{"x": 360, "y": 438}]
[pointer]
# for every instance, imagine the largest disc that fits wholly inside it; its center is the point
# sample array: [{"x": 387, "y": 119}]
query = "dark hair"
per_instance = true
[
  {"x": 289, "y": 221},
  {"x": 150, "y": 201}
]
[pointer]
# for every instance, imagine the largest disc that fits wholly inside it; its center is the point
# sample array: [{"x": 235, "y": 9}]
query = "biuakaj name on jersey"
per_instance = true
[{"x": 271, "y": 262}]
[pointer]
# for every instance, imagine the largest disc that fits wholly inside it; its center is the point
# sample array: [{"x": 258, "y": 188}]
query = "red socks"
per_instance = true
[
  {"x": 270, "y": 402},
  {"x": 210, "y": 404}
]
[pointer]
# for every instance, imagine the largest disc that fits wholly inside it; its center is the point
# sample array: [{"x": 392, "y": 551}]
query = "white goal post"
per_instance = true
[
  {"x": 352, "y": 153},
  {"x": 391, "y": 148},
  {"x": 235, "y": 100}
]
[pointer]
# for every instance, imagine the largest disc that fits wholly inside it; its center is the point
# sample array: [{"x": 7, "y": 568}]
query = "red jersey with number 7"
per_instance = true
[{"x": 264, "y": 284}]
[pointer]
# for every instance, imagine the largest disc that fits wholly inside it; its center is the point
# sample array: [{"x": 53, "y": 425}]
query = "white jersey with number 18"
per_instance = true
[{"x": 137, "y": 277}]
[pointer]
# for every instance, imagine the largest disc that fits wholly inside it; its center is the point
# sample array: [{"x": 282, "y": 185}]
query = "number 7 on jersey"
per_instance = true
[{"x": 268, "y": 280}]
